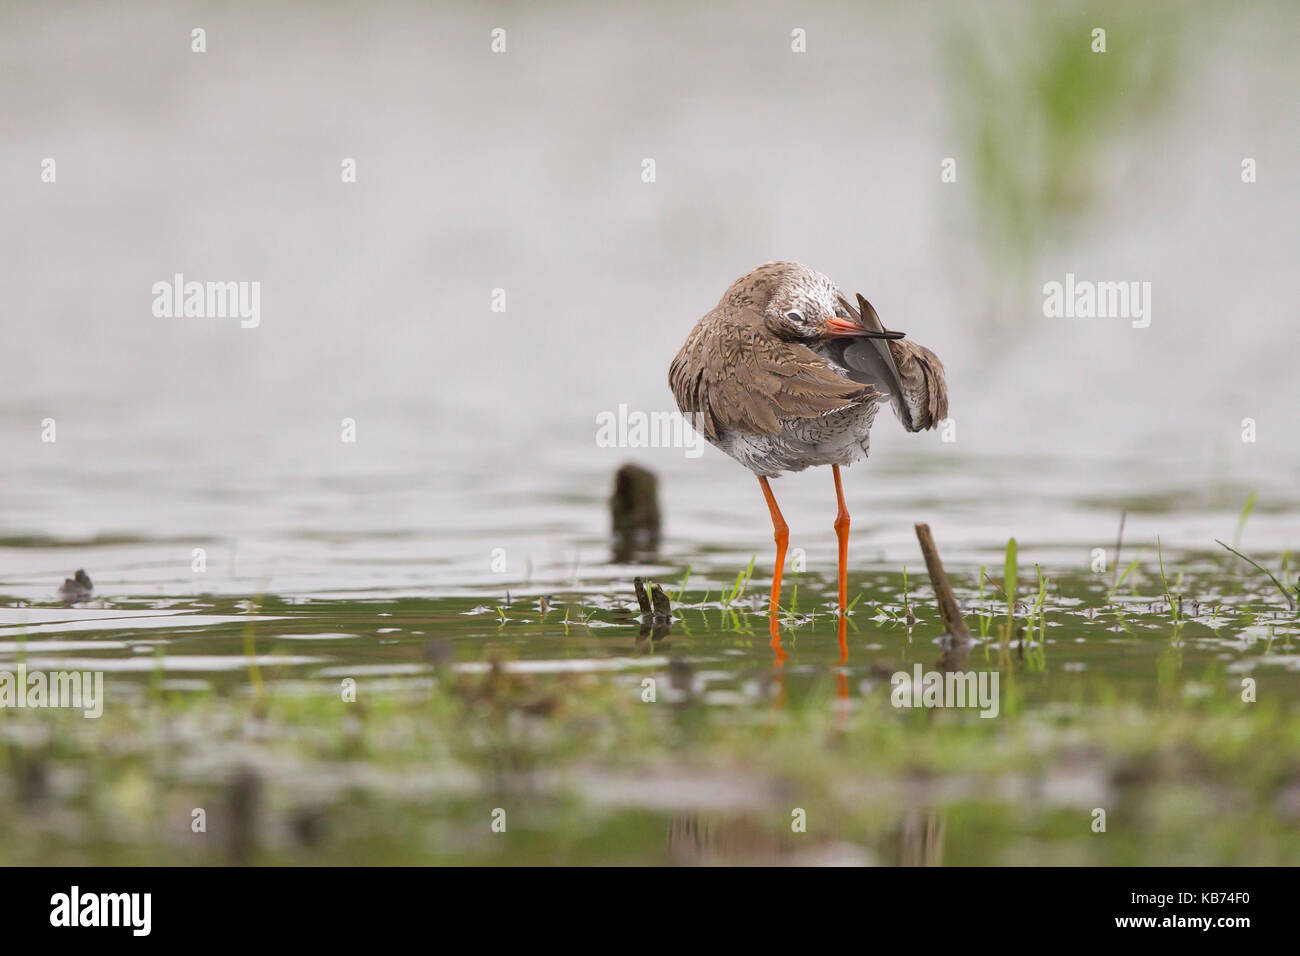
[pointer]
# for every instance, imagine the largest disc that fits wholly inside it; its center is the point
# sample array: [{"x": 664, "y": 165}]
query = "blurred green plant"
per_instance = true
[{"x": 1037, "y": 108}]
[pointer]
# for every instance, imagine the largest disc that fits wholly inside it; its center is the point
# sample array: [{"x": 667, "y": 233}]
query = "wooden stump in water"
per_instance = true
[
  {"x": 949, "y": 609},
  {"x": 634, "y": 513},
  {"x": 76, "y": 590},
  {"x": 656, "y": 609}
]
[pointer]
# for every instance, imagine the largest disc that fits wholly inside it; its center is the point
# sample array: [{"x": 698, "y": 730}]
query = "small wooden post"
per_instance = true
[
  {"x": 641, "y": 597},
  {"x": 949, "y": 610}
]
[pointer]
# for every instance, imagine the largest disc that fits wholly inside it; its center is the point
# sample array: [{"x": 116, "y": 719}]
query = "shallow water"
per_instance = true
[{"x": 468, "y": 703}]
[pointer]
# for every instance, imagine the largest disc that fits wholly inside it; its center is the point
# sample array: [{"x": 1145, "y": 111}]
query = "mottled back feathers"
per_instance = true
[
  {"x": 755, "y": 367},
  {"x": 738, "y": 378}
]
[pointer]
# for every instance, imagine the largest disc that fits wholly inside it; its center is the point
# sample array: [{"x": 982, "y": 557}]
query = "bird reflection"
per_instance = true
[
  {"x": 778, "y": 663},
  {"x": 843, "y": 674},
  {"x": 778, "y": 652}
]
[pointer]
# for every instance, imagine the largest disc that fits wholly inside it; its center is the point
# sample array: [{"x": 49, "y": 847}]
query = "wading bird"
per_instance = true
[{"x": 783, "y": 373}]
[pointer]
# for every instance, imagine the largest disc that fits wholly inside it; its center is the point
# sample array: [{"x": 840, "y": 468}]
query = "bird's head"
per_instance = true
[{"x": 805, "y": 306}]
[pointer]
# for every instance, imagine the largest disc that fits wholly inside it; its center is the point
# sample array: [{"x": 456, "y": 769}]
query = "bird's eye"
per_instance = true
[{"x": 795, "y": 317}]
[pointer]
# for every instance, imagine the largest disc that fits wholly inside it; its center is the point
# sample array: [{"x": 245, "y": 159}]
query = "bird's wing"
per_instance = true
[
  {"x": 739, "y": 379},
  {"x": 924, "y": 402},
  {"x": 911, "y": 374}
]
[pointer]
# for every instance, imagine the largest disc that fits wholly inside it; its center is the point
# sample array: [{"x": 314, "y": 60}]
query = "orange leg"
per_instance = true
[
  {"x": 842, "y": 532},
  {"x": 781, "y": 535}
]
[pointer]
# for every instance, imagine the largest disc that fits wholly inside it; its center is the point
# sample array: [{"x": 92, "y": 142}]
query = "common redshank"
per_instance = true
[{"x": 783, "y": 374}]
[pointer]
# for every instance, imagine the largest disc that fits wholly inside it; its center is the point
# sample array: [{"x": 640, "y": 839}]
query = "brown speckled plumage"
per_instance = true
[
  {"x": 741, "y": 379},
  {"x": 775, "y": 389}
]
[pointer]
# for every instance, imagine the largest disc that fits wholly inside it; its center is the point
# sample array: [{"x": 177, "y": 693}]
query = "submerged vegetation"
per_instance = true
[{"x": 561, "y": 728}]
